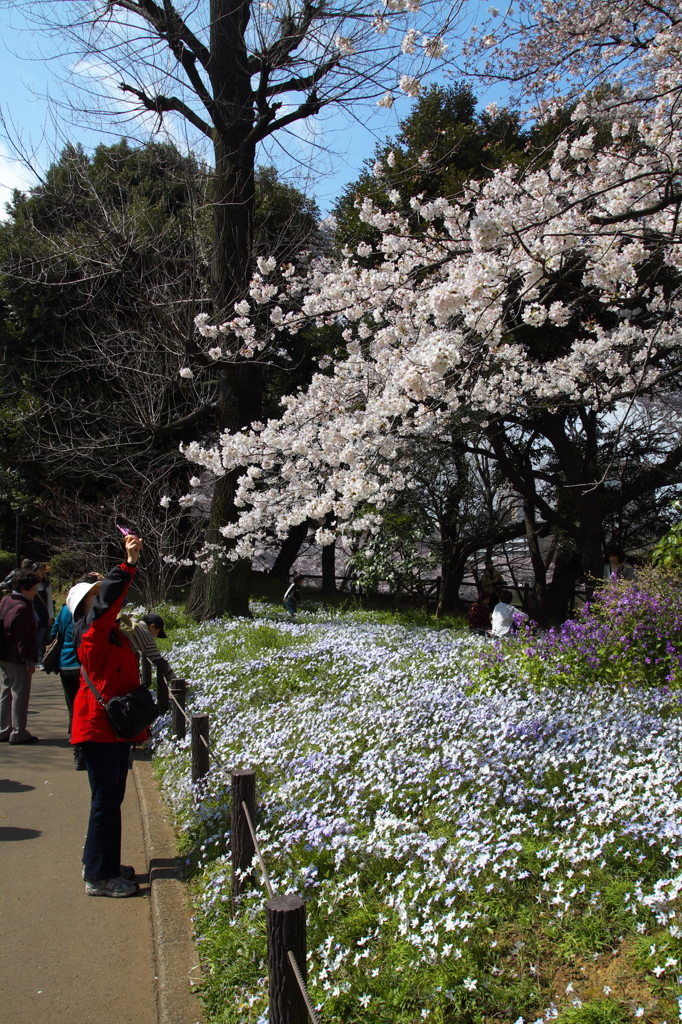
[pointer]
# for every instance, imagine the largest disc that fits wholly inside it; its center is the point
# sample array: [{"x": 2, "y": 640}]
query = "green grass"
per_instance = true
[{"x": 524, "y": 960}]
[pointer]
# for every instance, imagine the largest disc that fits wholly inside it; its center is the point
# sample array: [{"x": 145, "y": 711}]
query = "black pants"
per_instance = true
[
  {"x": 70, "y": 682},
  {"x": 107, "y": 772}
]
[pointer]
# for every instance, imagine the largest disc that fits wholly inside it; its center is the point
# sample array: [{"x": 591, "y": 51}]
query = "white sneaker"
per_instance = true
[{"x": 117, "y": 887}]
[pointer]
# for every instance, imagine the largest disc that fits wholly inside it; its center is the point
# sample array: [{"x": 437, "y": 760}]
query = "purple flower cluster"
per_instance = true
[{"x": 631, "y": 633}]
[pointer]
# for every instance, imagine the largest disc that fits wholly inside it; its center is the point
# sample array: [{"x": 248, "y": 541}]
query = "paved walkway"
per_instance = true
[{"x": 65, "y": 958}]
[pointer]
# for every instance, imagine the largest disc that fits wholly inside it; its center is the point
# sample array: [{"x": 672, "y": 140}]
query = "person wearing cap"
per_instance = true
[
  {"x": 143, "y": 635},
  {"x": 106, "y": 654},
  {"x": 19, "y": 658}
]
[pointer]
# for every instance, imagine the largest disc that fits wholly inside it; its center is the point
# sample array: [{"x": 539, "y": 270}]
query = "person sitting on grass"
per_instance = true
[
  {"x": 292, "y": 596},
  {"x": 479, "y": 615},
  {"x": 505, "y": 616}
]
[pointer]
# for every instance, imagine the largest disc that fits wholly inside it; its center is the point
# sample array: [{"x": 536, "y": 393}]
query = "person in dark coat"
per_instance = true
[
  {"x": 292, "y": 597},
  {"x": 19, "y": 658},
  {"x": 479, "y": 615},
  {"x": 491, "y": 581},
  {"x": 106, "y": 655},
  {"x": 43, "y": 605}
]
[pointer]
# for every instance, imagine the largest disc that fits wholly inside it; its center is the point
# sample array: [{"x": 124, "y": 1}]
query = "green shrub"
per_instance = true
[
  {"x": 598, "y": 1011},
  {"x": 67, "y": 566},
  {"x": 7, "y": 562},
  {"x": 668, "y": 551}
]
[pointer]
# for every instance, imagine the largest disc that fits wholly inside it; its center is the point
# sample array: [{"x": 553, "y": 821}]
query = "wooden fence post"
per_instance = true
[
  {"x": 161, "y": 691},
  {"x": 178, "y": 690},
  {"x": 243, "y": 850},
  {"x": 285, "y": 917},
  {"x": 199, "y": 747}
]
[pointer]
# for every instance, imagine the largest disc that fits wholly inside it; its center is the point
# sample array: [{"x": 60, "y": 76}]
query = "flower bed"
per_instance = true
[
  {"x": 631, "y": 634},
  {"x": 471, "y": 846}
]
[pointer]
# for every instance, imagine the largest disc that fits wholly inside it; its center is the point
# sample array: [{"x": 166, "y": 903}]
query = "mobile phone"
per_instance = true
[{"x": 127, "y": 532}]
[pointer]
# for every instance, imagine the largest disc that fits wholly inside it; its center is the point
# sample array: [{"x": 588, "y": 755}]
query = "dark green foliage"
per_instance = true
[
  {"x": 7, "y": 560},
  {"x": 285, "y": 219},
  {"x": 105, "y": 264},
  {"x": 460, "y": 143},
  {"x": 67, "y": 566}
]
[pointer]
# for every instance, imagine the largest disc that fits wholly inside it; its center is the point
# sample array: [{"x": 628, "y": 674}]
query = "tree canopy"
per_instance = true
[{"x": 538, "y": 308}]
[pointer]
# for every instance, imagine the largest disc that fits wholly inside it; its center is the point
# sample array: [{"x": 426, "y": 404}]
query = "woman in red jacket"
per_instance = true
[{"x": 106, "y": 655}]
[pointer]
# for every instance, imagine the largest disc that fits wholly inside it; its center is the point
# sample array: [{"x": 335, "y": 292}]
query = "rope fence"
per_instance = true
[{"x": 289, "y": 999}]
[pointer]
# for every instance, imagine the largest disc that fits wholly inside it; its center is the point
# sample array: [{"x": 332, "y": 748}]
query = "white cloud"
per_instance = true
[{"x": 13, "y": 174}]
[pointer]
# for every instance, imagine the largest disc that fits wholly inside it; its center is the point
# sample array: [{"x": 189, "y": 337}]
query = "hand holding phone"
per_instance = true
[
  {"x": 133, "y": 547},
  {"x": 126, "y": 531}
]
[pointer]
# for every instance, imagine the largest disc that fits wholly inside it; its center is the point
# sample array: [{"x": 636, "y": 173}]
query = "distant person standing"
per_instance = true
[
  {"x": 43, "y": 605},
  {"x": 616, "y": 566},
  {"x": 19, "y": 658},
  {"x": 491, "y": 582},
  {"x": 292, "y": 597}
]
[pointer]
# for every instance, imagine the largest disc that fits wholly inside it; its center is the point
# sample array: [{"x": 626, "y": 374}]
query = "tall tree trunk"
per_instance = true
[
  {"x": 452, "y": 574},
  {"x": 225, "y": 588},
  {"x": 329, "y": 560},
  {"x": 288, "y": 553},
  {"x": 581, "y": 489},
  {"x": 561, "y": 590},
  {"x": 540, "y": 611},
  {"x": 329, "y": 568}
]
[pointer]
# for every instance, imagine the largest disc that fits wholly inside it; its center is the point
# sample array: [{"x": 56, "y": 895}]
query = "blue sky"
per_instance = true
[{"x": 42, "y": 129}]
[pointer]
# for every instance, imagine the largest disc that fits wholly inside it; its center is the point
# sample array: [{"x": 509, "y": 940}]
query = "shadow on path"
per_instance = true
[
  {"x": 10, "y": 786},
  {"x": 14, "y": 834}
]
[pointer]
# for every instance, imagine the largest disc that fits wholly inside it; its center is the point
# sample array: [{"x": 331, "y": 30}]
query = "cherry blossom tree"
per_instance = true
[
  {"x": 534, "y": 305},
  {"x": 561, "y": 48}
]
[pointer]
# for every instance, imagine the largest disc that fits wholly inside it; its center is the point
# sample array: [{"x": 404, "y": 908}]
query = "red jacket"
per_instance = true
[
  {"x": 479, "y": 615},
  {"x": 105, "y": 653},
  {"x": 19, "y": 623}
]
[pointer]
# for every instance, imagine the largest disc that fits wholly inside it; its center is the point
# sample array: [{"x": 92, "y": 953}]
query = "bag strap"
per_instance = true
[
  {"x": 100, "y": 699},
  {"x": 98, "y": 695}
]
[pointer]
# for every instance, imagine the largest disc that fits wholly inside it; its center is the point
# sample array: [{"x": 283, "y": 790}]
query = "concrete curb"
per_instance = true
[{"x": 177, "y": 959}]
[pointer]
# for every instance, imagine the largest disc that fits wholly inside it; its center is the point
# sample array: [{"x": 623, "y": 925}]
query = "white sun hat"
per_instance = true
[{"x": 77, "y": 593}]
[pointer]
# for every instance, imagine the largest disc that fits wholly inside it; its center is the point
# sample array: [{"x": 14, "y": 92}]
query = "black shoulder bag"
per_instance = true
[{"x": 128, "y": 715}]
